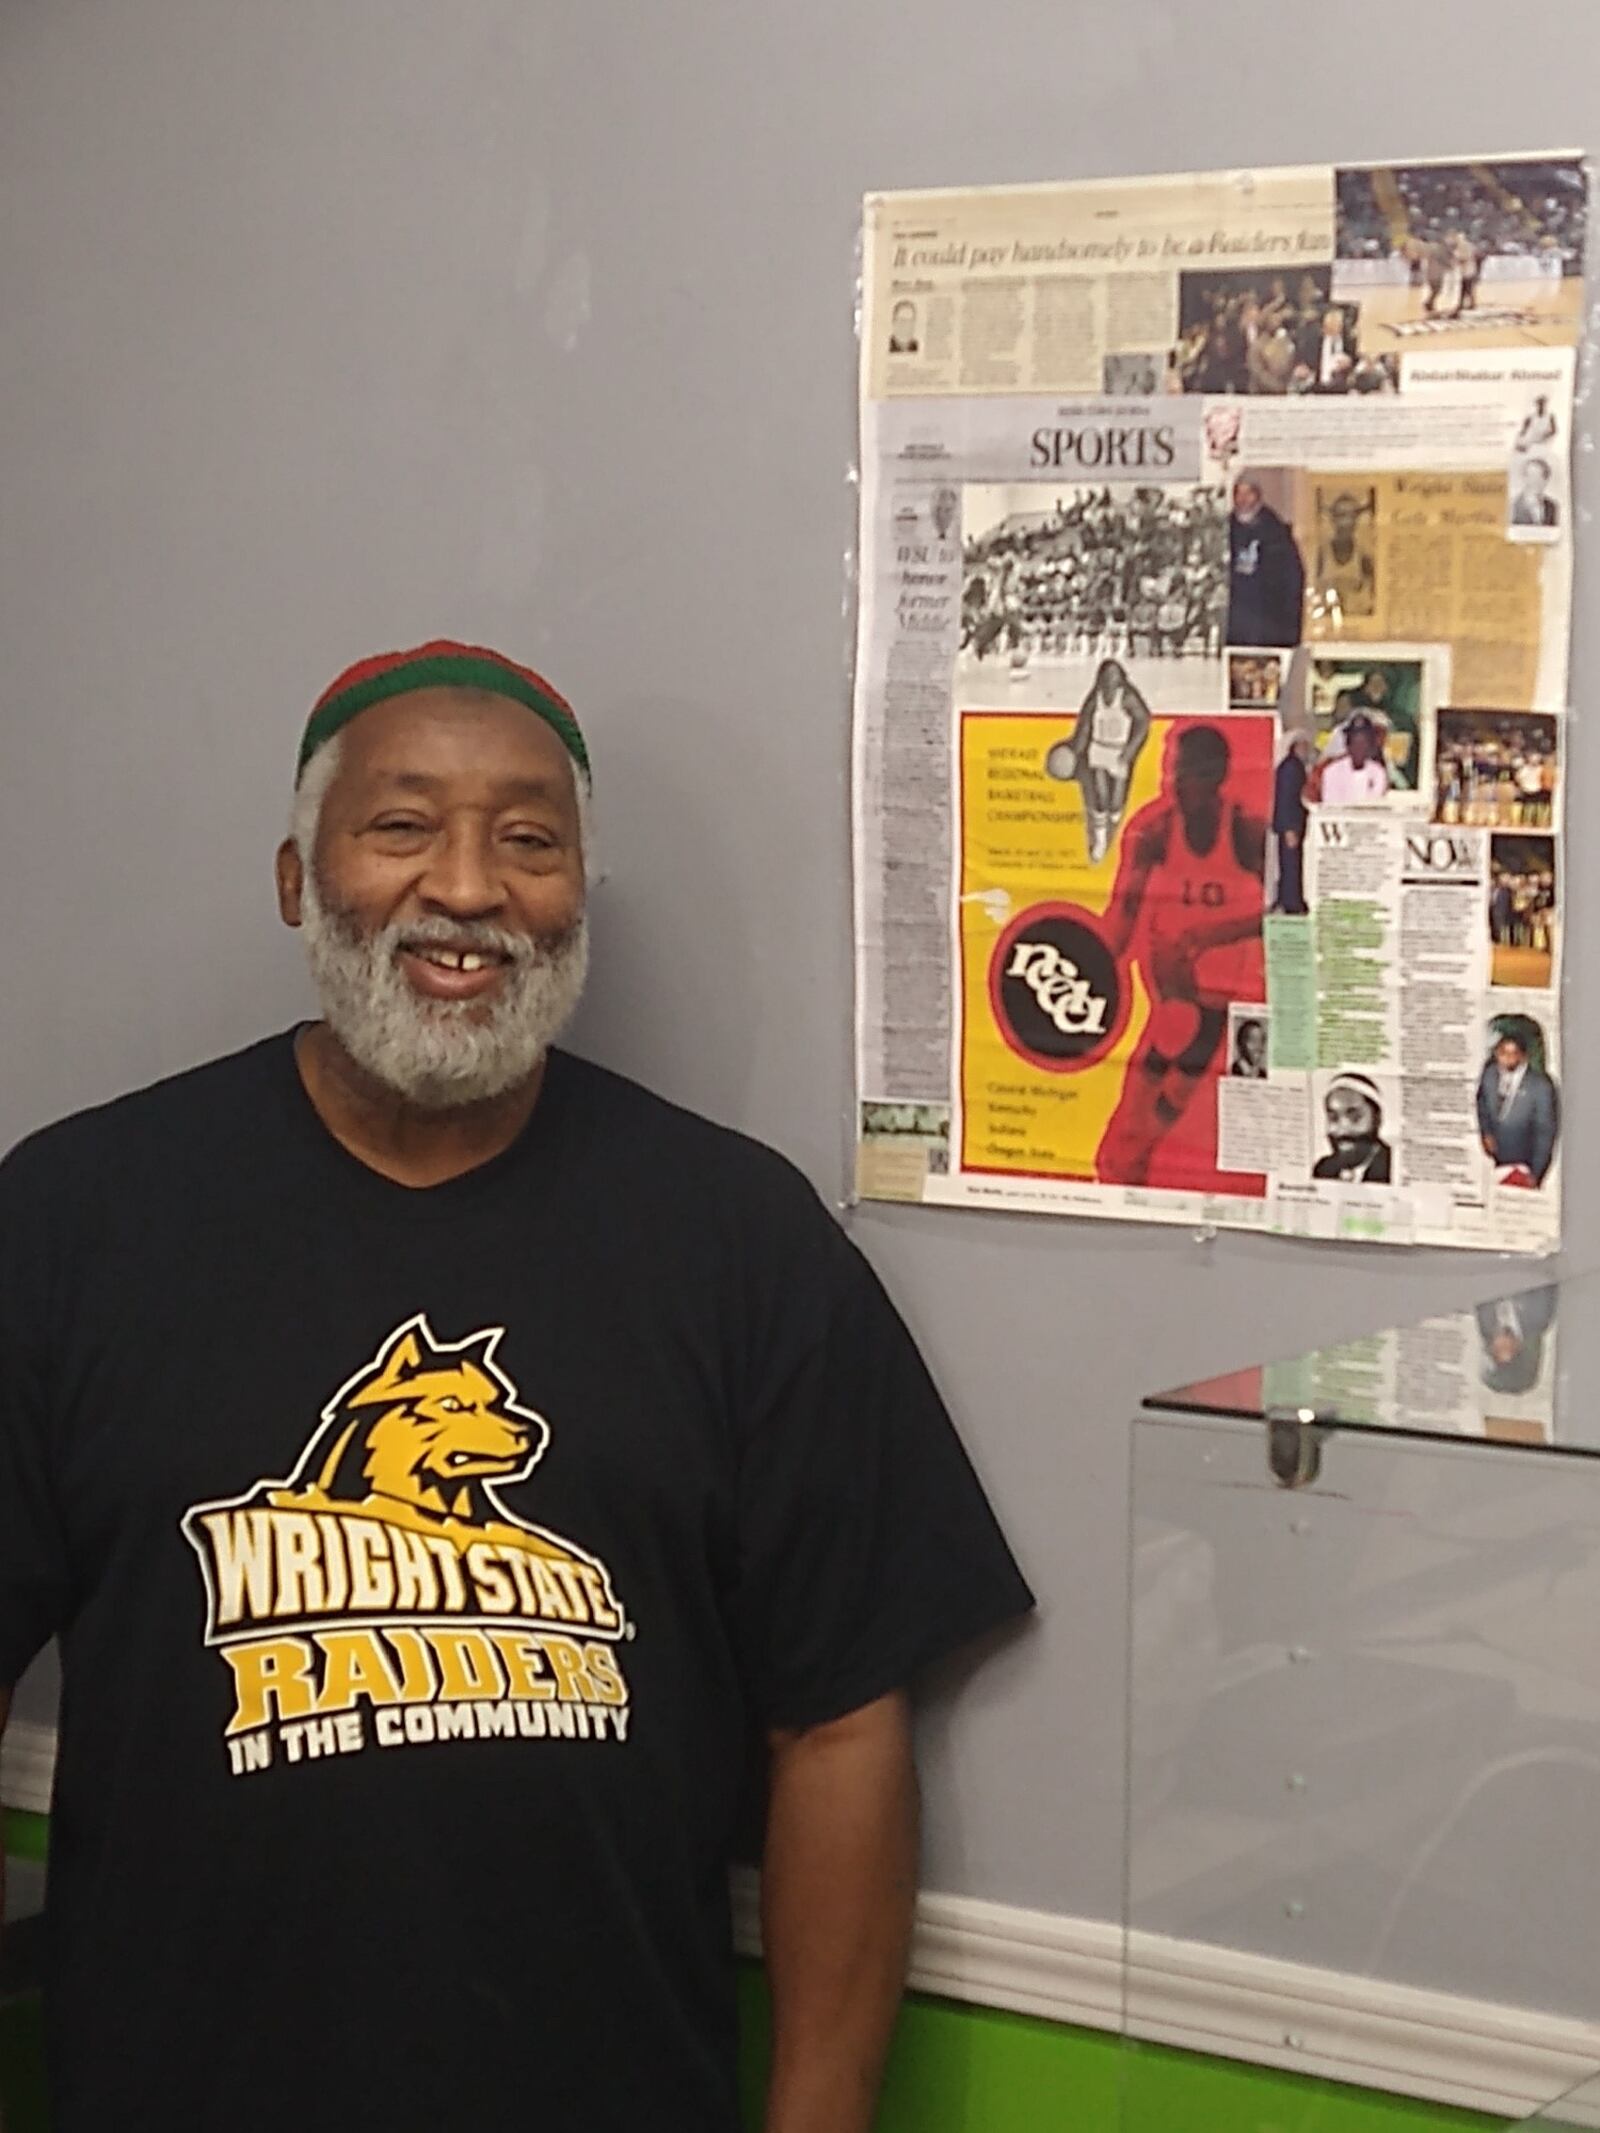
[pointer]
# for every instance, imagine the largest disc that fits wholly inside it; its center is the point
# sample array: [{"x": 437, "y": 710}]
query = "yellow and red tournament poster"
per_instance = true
[{"x": 1110, "y": 918}]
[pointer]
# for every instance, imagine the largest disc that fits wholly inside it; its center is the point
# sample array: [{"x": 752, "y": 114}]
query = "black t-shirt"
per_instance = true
[{"x": 422, "y": 1562}]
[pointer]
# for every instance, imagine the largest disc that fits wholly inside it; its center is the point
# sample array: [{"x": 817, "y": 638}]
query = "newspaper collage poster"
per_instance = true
[{"x": 1211, "y": 696}]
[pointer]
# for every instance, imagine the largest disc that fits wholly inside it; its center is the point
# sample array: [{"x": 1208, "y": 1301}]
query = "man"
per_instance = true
[
  {"x": 903, "y": 329},
  {"x": 1222, "y": 360},
  {"x": 1188, "y": 892},
  {"x": 1346, "y": 581},
  {"x": 1112, "y": 727},
  {"x": 1359, "y": 775},
  {"x": 1512, "y": 1332},
  {"x": 1469, "y": 265},
  {"x": 946, "y": 506},
  {"x": 1518, "y": 1114},
  {"x": 1437, "y": 265},
  {"x": 1501, "y": 905},
  {"x": 1528, "y": 781},
  {"x": 438, "y": 1456},
  {"x": 1372, "y": 375},
  {"x": 1266, "y": 578},
  {"x": 1357, "y": 1152},
  {"x": 1532, "y": 506},
  {"x": 1400, "y": 737},
  {"x": 1538, "y": 427},
  {"x": 1289, "y": 824},
  {"x": 1250, "y": 1050},
  {"x": 1328, "y": 352},
  {"x": 1272, "y": 360}
]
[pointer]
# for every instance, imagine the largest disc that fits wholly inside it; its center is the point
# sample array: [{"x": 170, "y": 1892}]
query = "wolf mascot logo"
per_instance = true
[
  {"x": 396, "y": 1498},
  {"x": 421, "y": 1437}
]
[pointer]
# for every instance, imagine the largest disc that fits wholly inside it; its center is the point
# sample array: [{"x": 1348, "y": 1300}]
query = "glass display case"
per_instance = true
[
  {"x": 1578, "y": 2107},
  {"x": 1363, "y": 1767}
]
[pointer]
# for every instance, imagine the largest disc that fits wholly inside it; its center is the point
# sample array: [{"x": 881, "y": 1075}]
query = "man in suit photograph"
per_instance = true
[
  {"x": 903, "y": 338},
  {"x": 1328, "y": 351},
  {"x": 1532, "y": 505},
  {"x": 1289, "y": 824},
  {"x": 1518, "y": 1111},
  {"x": 1511, "y": 1333}
]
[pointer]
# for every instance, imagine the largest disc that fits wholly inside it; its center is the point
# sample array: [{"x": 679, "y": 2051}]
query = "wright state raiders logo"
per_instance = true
[{"x": 385, "y": 1596}]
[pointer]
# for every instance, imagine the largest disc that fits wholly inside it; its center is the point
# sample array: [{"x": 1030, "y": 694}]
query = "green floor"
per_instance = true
[
  {"x": 959, "y": 2069},
  {"x": 971, "y": 2070}
]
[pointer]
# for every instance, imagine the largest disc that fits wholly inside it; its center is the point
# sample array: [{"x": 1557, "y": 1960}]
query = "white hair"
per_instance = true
[
  {"x": 439, "y": 1054},
  {"x": 306, "y": 811}
]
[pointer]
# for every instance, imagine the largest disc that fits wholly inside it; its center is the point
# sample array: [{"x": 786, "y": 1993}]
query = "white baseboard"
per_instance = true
[
  {"x": 27, "y": 1765},
  {"x": 1506, "y": 2061},
  {"x": 1476, "y": 2054}
]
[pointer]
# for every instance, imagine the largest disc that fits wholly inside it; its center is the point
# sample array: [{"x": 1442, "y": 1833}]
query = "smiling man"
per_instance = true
[{"x": 440, "y": 1459}]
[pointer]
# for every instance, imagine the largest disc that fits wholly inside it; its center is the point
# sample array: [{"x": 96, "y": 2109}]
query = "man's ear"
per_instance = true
[{"x": 290, "y": 871}]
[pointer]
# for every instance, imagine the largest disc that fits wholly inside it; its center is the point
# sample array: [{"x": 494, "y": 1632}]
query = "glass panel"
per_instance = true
[
  {"x": 1363, "y": 1755},
  {"x": 1490, "y": 1371},
  {"x": 1579, "y": 2107}
]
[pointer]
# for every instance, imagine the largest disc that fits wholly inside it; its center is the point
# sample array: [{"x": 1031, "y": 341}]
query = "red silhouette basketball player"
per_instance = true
[{"x": 1189, "y": 889}]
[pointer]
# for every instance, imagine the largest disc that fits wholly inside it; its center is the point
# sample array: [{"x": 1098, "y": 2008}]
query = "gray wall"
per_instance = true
[{"x": 334, "y": 323}]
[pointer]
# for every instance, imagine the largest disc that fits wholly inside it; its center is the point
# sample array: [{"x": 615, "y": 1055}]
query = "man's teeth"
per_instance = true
[{"x": 456, "y": 959}]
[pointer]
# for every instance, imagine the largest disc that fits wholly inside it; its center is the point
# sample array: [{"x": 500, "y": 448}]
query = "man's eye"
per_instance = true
[
  {"x": 530, "y": 840},
  {"x": 405, "y": 825}
]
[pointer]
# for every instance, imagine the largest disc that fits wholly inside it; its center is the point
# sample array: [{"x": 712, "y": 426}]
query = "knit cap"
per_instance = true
[{"x": 440, "y": 664}]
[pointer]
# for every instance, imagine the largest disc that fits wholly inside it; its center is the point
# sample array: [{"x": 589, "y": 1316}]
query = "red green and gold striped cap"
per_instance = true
[{"x": 441, "y": 664}]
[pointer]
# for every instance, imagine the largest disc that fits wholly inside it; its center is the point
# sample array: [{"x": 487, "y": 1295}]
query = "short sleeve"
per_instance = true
[
  {"x": 867, "y": 1546},
  {"x": 34, "y": 1577}
]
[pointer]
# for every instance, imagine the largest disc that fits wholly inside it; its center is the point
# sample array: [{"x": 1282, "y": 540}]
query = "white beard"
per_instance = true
[{"x": 441, "y": 1054}]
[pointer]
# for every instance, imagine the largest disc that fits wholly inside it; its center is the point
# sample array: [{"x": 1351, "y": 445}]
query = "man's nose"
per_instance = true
[{"x": 461, "y": 876}]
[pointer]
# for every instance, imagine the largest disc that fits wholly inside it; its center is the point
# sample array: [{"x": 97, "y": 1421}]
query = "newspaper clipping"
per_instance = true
[{"x": 1211, "y": 697}]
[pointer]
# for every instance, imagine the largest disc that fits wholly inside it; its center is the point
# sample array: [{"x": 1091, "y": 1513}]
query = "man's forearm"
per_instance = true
[
  {"x": 839, "y": 1878},
  {"x": 5, "y": 1708}
]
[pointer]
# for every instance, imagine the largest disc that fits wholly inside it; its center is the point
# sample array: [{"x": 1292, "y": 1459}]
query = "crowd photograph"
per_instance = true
[
  {"x": 1101, "y": 572},
  {"x": 1522, "y": 910},
  {"x": 1256, "y": 330},
  {"x": 1497, "y": 769}
]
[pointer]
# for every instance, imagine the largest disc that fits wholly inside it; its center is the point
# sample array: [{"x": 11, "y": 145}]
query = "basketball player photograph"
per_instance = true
[
  {"x": 1187, "y": 910},
  {"x": 1346, "y": 579},
  {"x": 1464, "y": 251},
  {"x": 1101, "y": 751},
  {"x": 1538, "y": 430}
]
